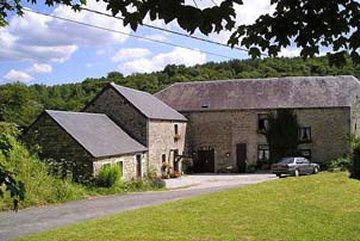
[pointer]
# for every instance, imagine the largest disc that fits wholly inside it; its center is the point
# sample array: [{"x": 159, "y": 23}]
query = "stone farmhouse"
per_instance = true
[
  {"x": 217, "y": 124},
  {"x": 226, "y": 118},
  {"x": 127, "y": 127}
]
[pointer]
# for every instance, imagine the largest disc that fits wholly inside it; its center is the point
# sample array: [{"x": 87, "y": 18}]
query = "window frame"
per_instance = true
[
  {"x": 121, "y": 166},
  {"x": 263, "y": 148},
  {"x": 308, "y": 157},
  {"x": 264, "y": 119},
  {"x": 301, "y": 131}
]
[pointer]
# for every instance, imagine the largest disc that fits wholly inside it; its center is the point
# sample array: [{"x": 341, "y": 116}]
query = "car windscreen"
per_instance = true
[{"x": 287, "y": 160}]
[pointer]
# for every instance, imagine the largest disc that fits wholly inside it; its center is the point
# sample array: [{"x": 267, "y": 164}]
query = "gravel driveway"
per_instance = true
[{"x": 39, "y": 219}]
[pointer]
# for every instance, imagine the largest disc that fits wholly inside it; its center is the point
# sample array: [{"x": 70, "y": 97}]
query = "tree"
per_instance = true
[
  {"x": 355, "y": 157},
  {"x": 308, "y": 24},
  {"x": 7, "y": 178},
  {"x": 15, "y": 188},
  {"x": 282, "y": 134}
]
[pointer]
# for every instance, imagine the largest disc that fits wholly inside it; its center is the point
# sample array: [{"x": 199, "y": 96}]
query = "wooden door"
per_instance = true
[
  {"x": 241, "y": 157},
  {"x": 138, "y": 166},
  {"x": 205, "y": 162}
]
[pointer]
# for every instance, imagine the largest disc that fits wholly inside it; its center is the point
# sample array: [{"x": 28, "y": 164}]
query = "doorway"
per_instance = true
[
  {"x": 241, "y": 157},
  {"x": 205, "y": 162}
]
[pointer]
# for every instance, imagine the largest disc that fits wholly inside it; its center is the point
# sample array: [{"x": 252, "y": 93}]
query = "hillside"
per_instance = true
[{"x": 21, "y": 104}]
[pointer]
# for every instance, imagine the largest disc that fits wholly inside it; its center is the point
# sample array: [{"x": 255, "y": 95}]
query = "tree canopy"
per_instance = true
[
  {"x": 21, "y": 104},
  {"x": 330, "y": 26}
]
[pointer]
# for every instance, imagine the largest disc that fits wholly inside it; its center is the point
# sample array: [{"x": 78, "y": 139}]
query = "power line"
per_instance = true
[
  {"x": 128, "y": 34},
  {"x": 171, "y": 31}
]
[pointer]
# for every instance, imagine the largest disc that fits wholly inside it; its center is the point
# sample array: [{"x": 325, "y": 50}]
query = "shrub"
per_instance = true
[
  {"x": 340, "y": 164},
  {"x": 41, "y": 188},
  {"x": 355, "y": 155},
  {"x": 108, "y": 175}
]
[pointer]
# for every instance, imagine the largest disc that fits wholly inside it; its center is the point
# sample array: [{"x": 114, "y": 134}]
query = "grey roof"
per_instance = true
[
  {"x": 287, "y": 92},
  {"x": 149, "y": 105},
  {"x": 96, "y": 133}
]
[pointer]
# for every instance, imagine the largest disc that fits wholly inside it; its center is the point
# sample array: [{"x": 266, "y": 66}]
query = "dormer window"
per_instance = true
[{"x": 205, "y": 106}]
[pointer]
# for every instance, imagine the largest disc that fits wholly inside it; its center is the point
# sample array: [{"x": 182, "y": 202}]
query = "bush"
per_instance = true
[
  {"x": 108, "y": 175},
  {"x": 355, "y": 155},
  {"x": 340, "y": 164},
  {"x": 41, "y": 188}
]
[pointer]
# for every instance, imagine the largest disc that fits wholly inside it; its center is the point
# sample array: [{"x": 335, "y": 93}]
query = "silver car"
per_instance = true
[{"x": 295, "y": 166}]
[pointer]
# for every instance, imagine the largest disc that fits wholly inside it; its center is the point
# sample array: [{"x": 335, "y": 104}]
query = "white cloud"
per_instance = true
[
  {"x": 288, "y": 52},
  {"x": 16, "y": 75},
  {"x": 158, "y": 37},
  {"x": 245, "y": 14},
  {"x": 40, "y": 69},
  {"x": 130, "y": 53},
  {"x": 38, "y": 38},
  {"x": 158, "y": 62}
]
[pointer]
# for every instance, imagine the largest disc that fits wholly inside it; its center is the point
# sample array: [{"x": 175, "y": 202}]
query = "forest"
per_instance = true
[{"x": 21, "y": 104}]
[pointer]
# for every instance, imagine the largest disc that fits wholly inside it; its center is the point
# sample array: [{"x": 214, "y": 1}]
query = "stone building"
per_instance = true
[
  {"x": 87, "y": 141},
  {"x": 226, "y": 118},
  {"x": 146, "y": 119}
]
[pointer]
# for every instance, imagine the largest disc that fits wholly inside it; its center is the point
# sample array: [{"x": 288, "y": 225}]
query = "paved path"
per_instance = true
[{"x": 39, "y": 219}]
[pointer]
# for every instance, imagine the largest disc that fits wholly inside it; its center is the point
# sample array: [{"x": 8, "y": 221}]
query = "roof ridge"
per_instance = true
[
  {"x": 257, "y": 79},
  {"x": 128, "y": 88},
  {"x": 75, "y": 112}
]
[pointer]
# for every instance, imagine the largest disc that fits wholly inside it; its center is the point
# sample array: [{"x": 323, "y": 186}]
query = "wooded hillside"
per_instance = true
[{"x": 21, "y": 104}]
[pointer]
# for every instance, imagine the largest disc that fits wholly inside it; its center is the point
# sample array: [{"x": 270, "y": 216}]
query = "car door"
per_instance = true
[
  {"x": 300, "y": 165},
  {"x": 307, "y": 166}
]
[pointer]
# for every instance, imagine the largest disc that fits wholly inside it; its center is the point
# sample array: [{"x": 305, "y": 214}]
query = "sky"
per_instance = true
[{"x": 44, "y": 50}]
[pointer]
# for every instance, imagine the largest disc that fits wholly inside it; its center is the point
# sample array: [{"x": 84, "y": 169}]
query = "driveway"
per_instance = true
[{"x": 40, "y": 219}]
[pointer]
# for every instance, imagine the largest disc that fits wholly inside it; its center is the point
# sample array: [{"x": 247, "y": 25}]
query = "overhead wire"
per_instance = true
[
  {"x": 172, "y": 31},
  {"x": 128, "y": 34}
]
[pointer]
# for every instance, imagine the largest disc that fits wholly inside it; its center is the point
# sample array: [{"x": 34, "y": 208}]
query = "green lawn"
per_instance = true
[{"x": 319, "y": 207}]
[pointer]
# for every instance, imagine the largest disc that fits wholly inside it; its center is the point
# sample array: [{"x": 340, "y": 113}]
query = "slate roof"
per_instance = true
[
  {"x": 96, "y": 133},
  {"x": 272, "y": 93},
  {"x": 148, "y": 105}
]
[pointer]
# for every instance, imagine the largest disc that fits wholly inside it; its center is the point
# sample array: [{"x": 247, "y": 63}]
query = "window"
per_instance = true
[
  {"x": 263, "y": 122},
  {"x": 176, "y": 160},
  {"x": 176, "y": 129},
  {"x": 138, "y": 166},
  {"x": 121, "y": 165},
  {"x": 305, "y": 153},
  {"x": 305, "y": 134},
  {"x": 163, "y": 158},
  {"x": 263, "y": 152}
]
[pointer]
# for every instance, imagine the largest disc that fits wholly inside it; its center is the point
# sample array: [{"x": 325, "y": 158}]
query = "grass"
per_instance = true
[
  {"x": 319, "y": 207},
  {"x": 43, "y": 188}
]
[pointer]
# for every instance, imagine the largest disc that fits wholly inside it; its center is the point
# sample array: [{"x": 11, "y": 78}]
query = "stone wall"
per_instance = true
[
  {"x": 222, "y": 130},
  {"x": 162, "y": 141},
  {"x": 355, "y": 114},
  {"x": 56, "y": 144},
  {"x": 121, "y": 112},
  {"x": 129, "y": 165}
]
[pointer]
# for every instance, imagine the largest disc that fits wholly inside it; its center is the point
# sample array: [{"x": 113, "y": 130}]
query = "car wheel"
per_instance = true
[
  {"x": 278, "y": 175},
  {"x": 316, "y": 170},
  {"x": 296, "y": 173}
]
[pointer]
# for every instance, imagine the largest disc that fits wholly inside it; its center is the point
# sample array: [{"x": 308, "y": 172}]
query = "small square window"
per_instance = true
[
  {"x": 305, "y": 134},
  {"x": 305, "y": 153},
  {"x": 263, "y": 152}
]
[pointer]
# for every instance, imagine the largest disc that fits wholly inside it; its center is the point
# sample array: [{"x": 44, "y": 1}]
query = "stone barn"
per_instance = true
[
  {"x": 226, "y": 119},
  {"x": 148, "y": 120},
  {"x": 87, "y": 141}
]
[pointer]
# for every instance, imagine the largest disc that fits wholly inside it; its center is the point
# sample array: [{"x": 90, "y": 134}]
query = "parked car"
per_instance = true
[{"x": 295, "y": 166}]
